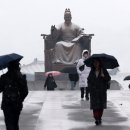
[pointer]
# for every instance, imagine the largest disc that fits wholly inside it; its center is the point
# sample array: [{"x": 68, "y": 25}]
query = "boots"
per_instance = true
[
  {"x": 87, "y": 98},
  {"x": 98, "y": 122}
]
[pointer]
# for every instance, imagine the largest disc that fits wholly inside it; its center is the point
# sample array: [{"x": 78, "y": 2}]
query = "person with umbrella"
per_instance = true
[
  {"x": 97, "y": 83},
  {"x": 50, "y": 82},
  {"x": 83, "y": 72},
  {"x": 13, "y": 84}
]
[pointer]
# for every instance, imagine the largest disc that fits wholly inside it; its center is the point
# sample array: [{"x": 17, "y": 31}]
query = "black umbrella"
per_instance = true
[
  {"x": 108, "y": 61},
  {"x": 69, "y": 70},
  {"x": 6, "y": 59},
  {"x": 127, "y": 78}
]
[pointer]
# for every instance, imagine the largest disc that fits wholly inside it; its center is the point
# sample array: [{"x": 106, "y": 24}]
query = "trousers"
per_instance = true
[
  {"x": 84, "y": 91},
  {"x": 11, "y": 117}
]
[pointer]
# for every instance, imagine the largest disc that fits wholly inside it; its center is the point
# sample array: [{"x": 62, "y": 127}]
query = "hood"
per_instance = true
[{"x": 84, "y": 52}]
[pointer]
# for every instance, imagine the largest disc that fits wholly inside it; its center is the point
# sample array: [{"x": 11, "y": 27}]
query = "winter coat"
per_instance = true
[
  {"x": 50, "y": 83},
  {"x": 20, "y": 82},
  {"x": 83, "y": 75},
  {"x": 74, "y": 77},
  {"x": 98, "y": 89}
]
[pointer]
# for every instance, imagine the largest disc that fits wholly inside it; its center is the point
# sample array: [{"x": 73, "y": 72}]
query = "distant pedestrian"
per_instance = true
[
  {"x": 83, "y": 72},
  {"x": 13, "y": 85},
  {"x": 50, "y": 83},
  {"x": 73, "y": 80},
  {"x": 97, "y": 82}
]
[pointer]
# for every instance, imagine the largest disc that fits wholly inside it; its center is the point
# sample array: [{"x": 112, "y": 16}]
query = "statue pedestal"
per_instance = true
[{"x": 59, "y": 66}]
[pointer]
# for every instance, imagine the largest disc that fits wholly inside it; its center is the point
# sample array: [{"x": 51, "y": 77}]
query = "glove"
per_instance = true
[{"x": 81, "y": 68}]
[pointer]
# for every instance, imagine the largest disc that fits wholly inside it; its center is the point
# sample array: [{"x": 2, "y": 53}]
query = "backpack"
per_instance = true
[{"x": 11, "y": 94}]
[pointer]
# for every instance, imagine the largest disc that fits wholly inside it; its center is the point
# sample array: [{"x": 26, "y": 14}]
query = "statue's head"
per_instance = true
[{"x": 67, "y": 16}]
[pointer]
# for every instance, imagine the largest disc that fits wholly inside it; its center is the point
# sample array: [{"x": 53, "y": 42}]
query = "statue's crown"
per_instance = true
[{"x": 67, "y": 10}]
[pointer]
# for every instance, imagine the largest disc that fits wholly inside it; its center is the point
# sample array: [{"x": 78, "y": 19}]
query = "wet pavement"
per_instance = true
[{"x": 63, "y": 110}]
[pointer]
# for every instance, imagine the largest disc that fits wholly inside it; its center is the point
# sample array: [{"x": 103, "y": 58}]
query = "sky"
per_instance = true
[{"x": 23, "y": 21}]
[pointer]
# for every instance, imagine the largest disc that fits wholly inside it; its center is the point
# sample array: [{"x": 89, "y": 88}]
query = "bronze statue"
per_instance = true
[
  {"x": 65, "y": 43},
  {"x": 67, "y": 49}
]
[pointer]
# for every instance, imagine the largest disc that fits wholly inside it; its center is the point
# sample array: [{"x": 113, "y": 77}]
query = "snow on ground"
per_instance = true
[
  {"x": 120, "y": 78},
  {"x": 119, "y": 98}
]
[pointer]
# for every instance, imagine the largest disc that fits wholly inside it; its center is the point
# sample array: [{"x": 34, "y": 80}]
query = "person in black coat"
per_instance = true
[
  {"x": 73, "y": 80},
  {"x": 97, "y": 82},
  {"x": 13, "y": 85},
  {"x": 50, "y": 83}
]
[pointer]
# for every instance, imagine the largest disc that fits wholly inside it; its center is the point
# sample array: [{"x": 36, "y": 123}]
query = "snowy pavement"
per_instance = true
[{"x": 63, "y": 110}]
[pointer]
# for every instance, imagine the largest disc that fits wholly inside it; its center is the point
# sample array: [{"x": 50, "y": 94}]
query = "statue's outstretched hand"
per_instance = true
[{"x": 76, "y": 40}]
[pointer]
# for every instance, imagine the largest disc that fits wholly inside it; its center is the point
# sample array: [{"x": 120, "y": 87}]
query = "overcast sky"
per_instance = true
[{"x": 22, "y": 22}]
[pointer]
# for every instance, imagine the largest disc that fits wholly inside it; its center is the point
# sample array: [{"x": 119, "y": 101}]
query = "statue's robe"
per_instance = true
[{"x": 67, "y": 50}]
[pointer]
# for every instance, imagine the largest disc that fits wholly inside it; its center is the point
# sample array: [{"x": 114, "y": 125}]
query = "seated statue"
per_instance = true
[
  {"x": 65, "y": 43},
  {"x": 67, "y": 49}
]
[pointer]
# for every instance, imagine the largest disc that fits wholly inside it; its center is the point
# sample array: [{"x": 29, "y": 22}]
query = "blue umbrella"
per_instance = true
[
  {"x": 6, "y": 59},
  {"x": 108, "y": 61}
]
